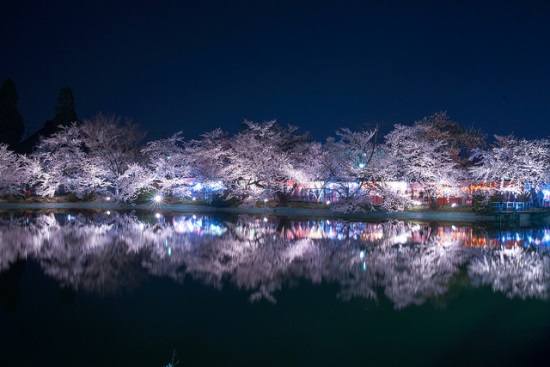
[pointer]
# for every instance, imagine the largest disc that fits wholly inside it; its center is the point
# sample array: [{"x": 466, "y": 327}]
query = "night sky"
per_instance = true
[{"x": 198, "y": 65}]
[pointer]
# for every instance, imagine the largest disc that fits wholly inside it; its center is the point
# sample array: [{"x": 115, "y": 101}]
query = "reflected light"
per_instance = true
[{"x": 401, "y": 238}]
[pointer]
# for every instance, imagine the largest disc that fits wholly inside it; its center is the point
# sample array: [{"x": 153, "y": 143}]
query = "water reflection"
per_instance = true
[{"x": 408, "y": 263}]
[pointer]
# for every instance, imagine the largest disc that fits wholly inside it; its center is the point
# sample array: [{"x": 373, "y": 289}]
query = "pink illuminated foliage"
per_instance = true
[
  {"x": 517, "y": 165},
  {"x": 14, "y": 172}
]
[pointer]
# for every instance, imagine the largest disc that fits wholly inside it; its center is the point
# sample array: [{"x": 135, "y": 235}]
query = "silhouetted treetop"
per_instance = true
[
  {"x": 65, "y": 114},
  {"x": 11, "y": 121},
  {"x": 8, "y": 93},
  {"x": 65, "y": 108}
]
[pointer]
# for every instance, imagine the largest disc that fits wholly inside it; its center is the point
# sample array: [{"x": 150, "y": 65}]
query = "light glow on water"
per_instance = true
[{"x": 392, "y": 248}]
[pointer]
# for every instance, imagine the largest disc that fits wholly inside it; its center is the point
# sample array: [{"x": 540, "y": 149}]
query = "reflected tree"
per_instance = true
[
  {"x": 407, "y": 263},
  {"x": 516, "y": 272}
]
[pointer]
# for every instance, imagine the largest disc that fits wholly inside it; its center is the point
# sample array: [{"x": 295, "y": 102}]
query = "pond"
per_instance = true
[{"x": 100, "y": 288}]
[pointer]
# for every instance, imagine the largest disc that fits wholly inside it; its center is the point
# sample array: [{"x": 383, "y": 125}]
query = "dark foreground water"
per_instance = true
[{"x": 129, "y": 289}]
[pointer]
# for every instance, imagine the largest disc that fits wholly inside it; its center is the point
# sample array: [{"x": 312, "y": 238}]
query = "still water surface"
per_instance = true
[{"x": 128, "y": 289}]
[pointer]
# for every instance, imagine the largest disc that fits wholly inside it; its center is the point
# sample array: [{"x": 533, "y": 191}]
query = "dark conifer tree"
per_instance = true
[
  {"x": 65, "y": 114},
  {"x": 65, "y": 108},
  {"x": 11, "y": 122}
]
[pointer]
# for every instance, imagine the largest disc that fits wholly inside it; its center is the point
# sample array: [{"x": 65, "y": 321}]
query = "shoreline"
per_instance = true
[{"x": 278, "y": 211}]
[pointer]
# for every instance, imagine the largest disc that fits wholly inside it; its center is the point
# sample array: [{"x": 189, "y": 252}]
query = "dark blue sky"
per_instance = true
[{"x": 195, "y": 66}]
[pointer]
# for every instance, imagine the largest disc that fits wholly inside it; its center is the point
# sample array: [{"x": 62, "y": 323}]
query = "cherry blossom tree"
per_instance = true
[
  {"x": 14, "y": 172},
  {"x": 92, "y": 157},
  {"x": 411, "y": 157},
  {"x": 207, "y": 158},
  {"x": 115, "y": 148},
  {"x": 353, "y": 168},
  {"x": 308, "y": 164},
  {"x": 460, "y": 142},
  {"x": 63, "y": 161},
  {"x": 169, "y": 166},
  {"x": 259, "y": 161},
  {"x": 518, "y": 165}
]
